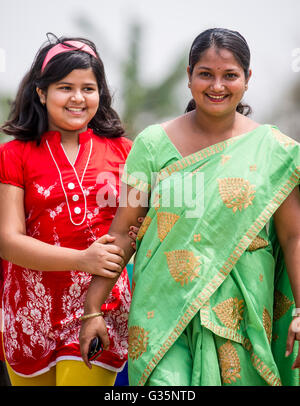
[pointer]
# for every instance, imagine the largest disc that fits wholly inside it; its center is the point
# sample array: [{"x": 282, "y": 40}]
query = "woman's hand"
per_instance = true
[
  {"x": 90, "y": 329},
  {"x": 102, "y": 258},
  {"x": 133, "y": 231},
  {"x": 293, "y": 335}
]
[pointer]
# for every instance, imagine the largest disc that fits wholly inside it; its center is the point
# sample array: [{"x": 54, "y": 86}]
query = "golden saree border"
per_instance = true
[
  {"x": 264, "y": 371},
  {"x": 194, "y": 158},
  {"x": 211, "y": 287},
  {"x": 134, "y": 182},
  {"x": 179, "y": 165},
  {"x": 225, "y": 332}
]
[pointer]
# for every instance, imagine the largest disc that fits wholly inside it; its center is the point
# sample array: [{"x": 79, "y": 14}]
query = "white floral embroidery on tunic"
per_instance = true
[{"x": 45, "y": 192}]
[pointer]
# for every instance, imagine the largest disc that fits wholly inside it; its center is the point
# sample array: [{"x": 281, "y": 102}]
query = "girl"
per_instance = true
[
  {"x": 59, "y": 192},
  {"x": 202, "y": 308}
]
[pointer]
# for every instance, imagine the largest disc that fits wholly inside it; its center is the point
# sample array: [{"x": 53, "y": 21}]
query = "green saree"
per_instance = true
[{"x": 211, "y": 299}]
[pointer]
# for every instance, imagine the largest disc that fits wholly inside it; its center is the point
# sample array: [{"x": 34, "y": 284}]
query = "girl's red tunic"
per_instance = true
[{"x": 69, "y": 206}]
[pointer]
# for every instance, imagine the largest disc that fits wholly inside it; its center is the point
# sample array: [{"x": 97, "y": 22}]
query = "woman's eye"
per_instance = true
[
  {"x": 205, "y": 74},
  {"x": 231, "y": 75}
]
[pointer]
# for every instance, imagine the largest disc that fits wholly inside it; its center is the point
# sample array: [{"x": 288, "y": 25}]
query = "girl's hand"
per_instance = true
[
  {"x": 293, "y": 335},
  {"x": 102, "y": 258},
  {"x": 90, "y": 329},
  {"x": 133, "y": 231}
]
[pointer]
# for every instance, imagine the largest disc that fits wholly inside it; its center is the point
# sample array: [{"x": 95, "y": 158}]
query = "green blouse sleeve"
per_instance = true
[{"x": 139, "y": 168}]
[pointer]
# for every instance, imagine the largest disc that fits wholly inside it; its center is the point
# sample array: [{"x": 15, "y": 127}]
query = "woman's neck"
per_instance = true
[{"x": 213, "y": 125}]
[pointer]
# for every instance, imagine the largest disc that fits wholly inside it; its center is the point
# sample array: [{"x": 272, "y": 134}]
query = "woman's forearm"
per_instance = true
[
  {"x": 291, "y": 250},
  {"x": 100, "y": 287},
  {"x": 125, "y": 217},
  {"x": 29, "y": 252}
]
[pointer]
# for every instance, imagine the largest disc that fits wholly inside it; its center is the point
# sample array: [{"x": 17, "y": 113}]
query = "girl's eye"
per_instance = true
[
  {"x": 64, "y": 88},
  {"x": 89, "y": 89}
]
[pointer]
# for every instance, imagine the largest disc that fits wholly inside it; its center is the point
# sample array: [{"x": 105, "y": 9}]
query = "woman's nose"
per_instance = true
[{"x": 217, "y": 85}]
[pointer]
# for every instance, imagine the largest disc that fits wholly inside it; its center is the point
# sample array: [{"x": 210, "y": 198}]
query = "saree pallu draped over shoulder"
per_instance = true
[{"x": 207, "y": 257}]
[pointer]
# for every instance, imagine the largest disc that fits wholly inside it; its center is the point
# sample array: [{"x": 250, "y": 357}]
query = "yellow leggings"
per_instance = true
[{"x": 66, "y": 373}]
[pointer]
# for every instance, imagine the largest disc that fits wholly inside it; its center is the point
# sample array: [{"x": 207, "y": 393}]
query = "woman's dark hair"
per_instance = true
[
  {"x": 28, "y": 117},
  {"x": 221, "y": 38}
]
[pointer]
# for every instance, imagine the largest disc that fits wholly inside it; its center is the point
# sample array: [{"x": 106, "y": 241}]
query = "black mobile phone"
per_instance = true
[{"x": 95, "y": 349}]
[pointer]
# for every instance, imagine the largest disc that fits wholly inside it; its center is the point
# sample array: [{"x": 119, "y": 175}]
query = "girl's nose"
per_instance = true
[{"x": 77, "y": 96}]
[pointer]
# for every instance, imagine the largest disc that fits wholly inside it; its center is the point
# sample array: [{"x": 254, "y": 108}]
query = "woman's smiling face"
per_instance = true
[{"x": 217, "y": 82}]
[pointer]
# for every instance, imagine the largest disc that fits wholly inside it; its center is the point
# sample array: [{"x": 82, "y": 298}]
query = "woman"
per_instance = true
[
  {"x": 59, "y": 186},
  {"x": 204, "y": 279}
]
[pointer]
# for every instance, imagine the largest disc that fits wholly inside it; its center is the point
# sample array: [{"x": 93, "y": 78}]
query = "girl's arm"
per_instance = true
[
  {"x": 100, "y": 287},
  {"x": 287, "y": 223},
  {"x": 101, "y": 258}
]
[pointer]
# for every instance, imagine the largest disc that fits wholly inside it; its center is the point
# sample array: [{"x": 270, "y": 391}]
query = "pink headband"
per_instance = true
[{"x": 59, "y": 48}]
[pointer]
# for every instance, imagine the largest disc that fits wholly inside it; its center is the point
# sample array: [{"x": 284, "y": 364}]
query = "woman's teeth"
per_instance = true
[{"x": 216, "y": 97}]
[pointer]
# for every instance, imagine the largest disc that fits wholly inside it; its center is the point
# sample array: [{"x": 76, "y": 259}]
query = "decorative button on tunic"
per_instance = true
[{"x": 64, "y": 206}]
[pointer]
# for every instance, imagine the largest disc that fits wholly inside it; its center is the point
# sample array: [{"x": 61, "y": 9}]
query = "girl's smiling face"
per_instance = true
[
  {"x": 71, "y": 102},
  {"x": 217, "y": 82}
]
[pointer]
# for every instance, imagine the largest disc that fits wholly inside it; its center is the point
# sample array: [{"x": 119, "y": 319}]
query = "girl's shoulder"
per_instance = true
[
  {"x": 118, "y": 145},
  {"x": 14, "y": 146}
]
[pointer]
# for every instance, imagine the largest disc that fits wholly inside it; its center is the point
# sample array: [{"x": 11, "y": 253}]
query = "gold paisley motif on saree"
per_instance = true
[
  {"x": 236, "y": 193},
  {"x": 257, "y": 243},
  {"x": 230, "y": 312},
  {"x": 183, "y": 265},
  {"x": 229, "y": 363},
  {"x": 225, "y": 158},
  {"x": 138, "y": 341},
  {"x": 267, "y": 323},
  {"x": 281, "y": 305},
  {"x": 144, "y": 227},
  {"x": 165, "y": 223}
]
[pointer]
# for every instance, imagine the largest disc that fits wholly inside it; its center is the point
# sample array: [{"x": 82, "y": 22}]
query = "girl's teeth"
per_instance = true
[{"x": 72, "y": 109}]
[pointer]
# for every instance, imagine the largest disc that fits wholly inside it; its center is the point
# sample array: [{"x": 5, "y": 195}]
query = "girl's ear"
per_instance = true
[
  {"x": 249, "y": 76},
  {"x": 42, "y": 95},
  {"x": 189, "y": 75}
]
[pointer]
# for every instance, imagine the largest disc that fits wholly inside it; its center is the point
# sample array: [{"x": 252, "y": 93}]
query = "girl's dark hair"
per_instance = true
[
  {"x": 221, "y": 38},
  {"x": 28, "y": 117}
]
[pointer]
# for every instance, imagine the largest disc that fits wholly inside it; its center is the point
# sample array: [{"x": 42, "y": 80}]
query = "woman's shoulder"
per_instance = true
[
  {"x": 151, "y": 132},
  {"x": 152, "y": 137},
  {"x": 281, "y": 137}
]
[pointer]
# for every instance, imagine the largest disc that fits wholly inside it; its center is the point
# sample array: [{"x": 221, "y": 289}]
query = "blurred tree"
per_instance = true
[
  {"x": 145, "y": 104},
  {"x": 142, "y": 104},
  {"x": 4, "y": 111}
]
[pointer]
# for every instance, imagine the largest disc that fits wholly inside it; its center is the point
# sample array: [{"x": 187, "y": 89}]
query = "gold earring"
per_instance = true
[{"x": 246, "y": 87}]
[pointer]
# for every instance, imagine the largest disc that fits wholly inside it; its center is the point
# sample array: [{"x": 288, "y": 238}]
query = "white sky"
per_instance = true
[{"x": 271, "y": 27}]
